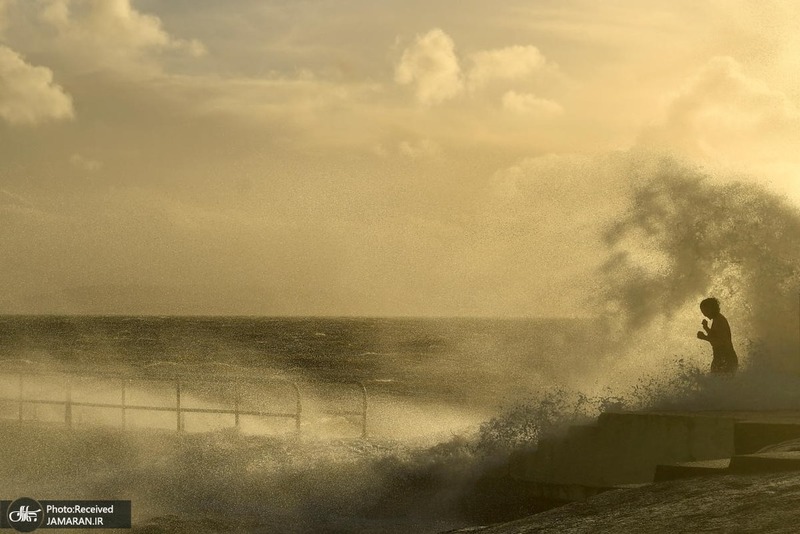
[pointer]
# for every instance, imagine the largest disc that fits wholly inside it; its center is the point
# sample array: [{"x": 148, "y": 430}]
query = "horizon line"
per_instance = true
[{"x": 294, "y": 316}]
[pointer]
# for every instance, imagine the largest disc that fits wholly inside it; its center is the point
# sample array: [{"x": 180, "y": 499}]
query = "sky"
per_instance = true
[{"x": 361, "y": 158}]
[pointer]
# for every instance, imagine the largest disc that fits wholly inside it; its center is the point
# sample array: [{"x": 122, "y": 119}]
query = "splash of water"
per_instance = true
[{"x": 687, "y": 235}]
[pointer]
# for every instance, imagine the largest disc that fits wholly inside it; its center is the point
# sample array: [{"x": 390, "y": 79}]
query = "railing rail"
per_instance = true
[
  {"x": 180, "y": 407},
  {"x": 362, "y": 414}
]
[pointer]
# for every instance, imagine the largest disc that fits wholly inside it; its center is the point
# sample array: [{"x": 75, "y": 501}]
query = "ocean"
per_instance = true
[
  {"x": 447, "y": 402},
  {"x": 460, "y": 364},
  {"x": 430, "y": 384}
]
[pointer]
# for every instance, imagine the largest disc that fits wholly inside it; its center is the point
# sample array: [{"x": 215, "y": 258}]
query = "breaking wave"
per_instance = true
[{"x": 685, "y": 235}]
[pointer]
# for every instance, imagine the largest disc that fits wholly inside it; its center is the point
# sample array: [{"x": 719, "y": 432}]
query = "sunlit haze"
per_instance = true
[{"x": 364, "y": 158}]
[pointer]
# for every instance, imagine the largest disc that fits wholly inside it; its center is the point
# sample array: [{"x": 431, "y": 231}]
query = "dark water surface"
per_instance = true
[
  {"x": 458, "y": 360},
  {"x": 428, "y": 379}
]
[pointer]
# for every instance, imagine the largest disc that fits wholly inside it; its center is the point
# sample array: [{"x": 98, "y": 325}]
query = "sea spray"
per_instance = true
[
  {"x": 686, "y": 235},
  {"x": 521, "y": 425},
  {"x": 225, "y": 482}
]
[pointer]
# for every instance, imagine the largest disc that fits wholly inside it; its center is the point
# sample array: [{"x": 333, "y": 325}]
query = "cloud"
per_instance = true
[
  {"x": 111, "y": 33},
  {"x": 28, "y": 94},
  {"x": 303, "y": 108},
  {"x": 726, "y": 119},
  {"x": 432, "y": 66},
  {"x": 509, "y": 64},
  {"x": 529, "y": 104},
  {"x": 722, "y": 92},
  {"x": 719, "y": 111}
]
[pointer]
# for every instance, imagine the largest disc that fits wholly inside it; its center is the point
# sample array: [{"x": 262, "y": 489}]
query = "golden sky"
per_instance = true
[{"x": 363, "y": 157}]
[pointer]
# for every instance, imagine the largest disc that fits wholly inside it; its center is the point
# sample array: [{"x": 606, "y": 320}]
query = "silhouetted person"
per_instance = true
[{"x": 719, "y": 335}]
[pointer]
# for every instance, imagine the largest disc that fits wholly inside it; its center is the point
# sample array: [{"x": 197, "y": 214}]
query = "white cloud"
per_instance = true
[
  {"x": 111, "y": 33},
  {"x": 509, "y": 64},
  {"x": 28, "y": 94},
  {"x": 432, "y": 66},
  {"x": 721, "y": 97},
  {"x": 529, "y": 104},
  {"x": 721, "y": 116},
  {"x": 721, "y": 93}
]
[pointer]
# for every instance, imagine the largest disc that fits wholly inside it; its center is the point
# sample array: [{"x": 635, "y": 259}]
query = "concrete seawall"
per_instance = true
[{"x": 625, "y": 448}]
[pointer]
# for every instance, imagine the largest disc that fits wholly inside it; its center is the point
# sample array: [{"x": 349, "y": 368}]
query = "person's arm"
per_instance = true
[{"x": 705, "y": 334}]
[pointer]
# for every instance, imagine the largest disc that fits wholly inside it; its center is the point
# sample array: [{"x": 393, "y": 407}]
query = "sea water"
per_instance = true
[
  {"x": 435, "y": 386},
  {"x": 459, "y": 365},
  {"x": 430, "y": 384}
]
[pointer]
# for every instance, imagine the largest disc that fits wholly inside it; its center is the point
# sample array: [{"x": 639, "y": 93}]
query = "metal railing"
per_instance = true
[
  {"x": 362, "y": 413},
  {"x": 236, "y": 408}
]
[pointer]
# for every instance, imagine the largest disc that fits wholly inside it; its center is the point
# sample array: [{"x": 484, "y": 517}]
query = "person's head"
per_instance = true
[{"x": 710, "y": 307}]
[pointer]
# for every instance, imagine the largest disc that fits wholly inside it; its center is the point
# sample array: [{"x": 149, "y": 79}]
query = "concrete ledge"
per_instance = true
[
  {"x": 625, "y": 448},
  {"x": 665, "y": 472},
  {"x": 752, "y": 436},
  {"x": 640, "y": 447},
  {"x": 765, "y": 462}
]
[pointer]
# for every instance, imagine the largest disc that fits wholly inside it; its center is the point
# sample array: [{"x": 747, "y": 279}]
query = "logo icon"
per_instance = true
[{"x": 25, "y": 515}]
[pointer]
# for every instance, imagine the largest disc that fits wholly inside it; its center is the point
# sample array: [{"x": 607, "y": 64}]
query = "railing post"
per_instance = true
[
  {"x": 236, "y": 404},
  {"x": 363, "y": 410},
  {"x": 240, "y": 405},
  {"x": 178, "y": 404},
  {"x": 124, "y": 411},
  {"x": 68, "y": 404},
  {"x": 298, "y": 413},
  {"x": 20, "y": 397}
]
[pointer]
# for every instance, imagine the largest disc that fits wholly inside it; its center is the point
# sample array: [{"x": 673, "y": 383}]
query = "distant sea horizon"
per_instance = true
[
  {"x": 457, "y": 360},
  {"x": 297, "y": 316}
]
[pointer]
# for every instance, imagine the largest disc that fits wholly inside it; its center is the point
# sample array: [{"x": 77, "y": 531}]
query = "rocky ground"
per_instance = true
[{"x": 729, "y": 504}]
